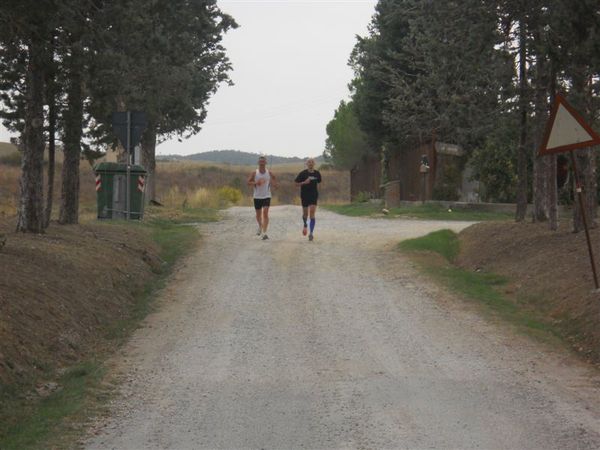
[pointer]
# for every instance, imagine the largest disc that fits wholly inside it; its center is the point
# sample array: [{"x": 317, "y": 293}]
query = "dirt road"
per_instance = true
[{"x": 336, "y": 344}]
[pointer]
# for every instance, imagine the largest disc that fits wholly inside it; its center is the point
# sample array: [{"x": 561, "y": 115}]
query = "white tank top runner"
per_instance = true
[{"x": 264, "y": 190}]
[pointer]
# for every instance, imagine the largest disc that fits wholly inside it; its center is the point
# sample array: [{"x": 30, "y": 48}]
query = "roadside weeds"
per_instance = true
[
  {"x": 435, "y": 254},
  {"x": 52, "y": 415}
]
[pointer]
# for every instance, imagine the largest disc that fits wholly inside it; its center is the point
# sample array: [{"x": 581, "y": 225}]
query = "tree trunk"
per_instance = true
[
  {"x": 522, "y": 150},
  {"x": 51, "y": 100},
  {"x": 30, "y": 215},
  {"x": 542, "y": 165},
  {"x": 121, "y": 106},
  {"x": 586, "y": 161},
  {"x": 73, "y": 119},
  {"x": 542, "y": 168},
  {"x": 149, "y": 161},
  {"x": 553, "y": 191}
]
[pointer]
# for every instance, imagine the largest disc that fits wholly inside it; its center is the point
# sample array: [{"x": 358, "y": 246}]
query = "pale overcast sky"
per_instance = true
[{"x": 290, "y": 73}]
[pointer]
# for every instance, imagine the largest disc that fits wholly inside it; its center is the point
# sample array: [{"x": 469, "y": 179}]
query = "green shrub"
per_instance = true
[
  {"x": 447, "y": 188},
  {"x": 363, "y": 197},
  {"x": 230, "y": 194}
]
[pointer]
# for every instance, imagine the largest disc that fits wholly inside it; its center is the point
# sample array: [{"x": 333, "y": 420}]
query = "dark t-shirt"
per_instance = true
[{"x": 309, "y": 189}]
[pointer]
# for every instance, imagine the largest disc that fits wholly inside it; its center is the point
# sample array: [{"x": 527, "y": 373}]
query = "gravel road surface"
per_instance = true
[{"x": 336, "y": 343}]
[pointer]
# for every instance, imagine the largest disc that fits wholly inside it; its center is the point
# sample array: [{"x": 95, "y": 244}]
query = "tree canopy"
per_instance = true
[
  {"x": 68, "y": 64},
  {"x": 346, "y": 143},
  {"x": 481, "y": 74}
]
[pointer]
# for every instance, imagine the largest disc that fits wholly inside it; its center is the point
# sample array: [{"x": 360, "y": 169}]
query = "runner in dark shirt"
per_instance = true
[{"x": 308, "y": 181}]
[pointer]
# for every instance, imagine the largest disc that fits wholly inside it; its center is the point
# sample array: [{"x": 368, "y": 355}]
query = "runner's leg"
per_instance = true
[
  {"x": 312, "y": 210},
  {"x": 265, "y": 219},
  {"x": 304, "y": 217},
  {"x": 259, "y": 219}
]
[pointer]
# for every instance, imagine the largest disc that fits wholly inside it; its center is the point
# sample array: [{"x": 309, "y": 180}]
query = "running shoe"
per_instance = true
[
  {"x": 310, "y": 237},
  {"x": 265, "y": 237},
  {"x": 304, "y": 231}
]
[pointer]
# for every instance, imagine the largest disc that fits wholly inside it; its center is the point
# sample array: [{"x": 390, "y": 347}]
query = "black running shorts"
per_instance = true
[
  {"x": 308, "y": 200},
  {"x": 260, "y": 203}
]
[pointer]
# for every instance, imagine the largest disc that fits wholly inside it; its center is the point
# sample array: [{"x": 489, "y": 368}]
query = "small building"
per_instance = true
[
  {"x": 365, "y": 178},
  {"x": 427, "y": 171}
]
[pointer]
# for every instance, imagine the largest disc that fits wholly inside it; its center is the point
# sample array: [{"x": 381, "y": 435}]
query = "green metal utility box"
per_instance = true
[{"x": 111, "y": 192}]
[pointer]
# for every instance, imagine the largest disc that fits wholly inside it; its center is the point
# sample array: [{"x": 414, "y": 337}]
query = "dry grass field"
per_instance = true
[
  {"x": 6, "y": 149},
  {"x": 195, "y": 183},
  {"x": 181, "y": 185},
  {"x": 9, "y": 189},
  {"x": 10, "y": 171}
]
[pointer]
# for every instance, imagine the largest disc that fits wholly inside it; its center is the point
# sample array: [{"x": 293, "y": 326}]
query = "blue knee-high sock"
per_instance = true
[{"x": 312, "y": 225}]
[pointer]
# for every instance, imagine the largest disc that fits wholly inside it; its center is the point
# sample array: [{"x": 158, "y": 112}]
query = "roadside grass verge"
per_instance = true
[
  {"x": 42, "y": 424},
  {"x": 175, "y": 234},
  {"x": 443, "y": 242},
  {"x": 434, "y": 255},
  {"x": 54, "y": 419},
  {"x": 425, "y": 212}
]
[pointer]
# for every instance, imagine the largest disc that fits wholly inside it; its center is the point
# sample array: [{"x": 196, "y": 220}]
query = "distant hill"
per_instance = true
[{"x": 235, "y": 157}]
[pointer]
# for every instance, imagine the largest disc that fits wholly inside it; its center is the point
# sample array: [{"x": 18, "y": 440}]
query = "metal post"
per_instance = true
[
  {"x": 424, "y": 169},
  {"x": 128, "y": 178},
  {"x": 579, "y": 190}
]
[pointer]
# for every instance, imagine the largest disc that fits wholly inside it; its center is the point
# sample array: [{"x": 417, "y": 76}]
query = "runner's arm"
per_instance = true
[
  {"x": 300, "y": 183},
  {"x": 274, "y": 181},
  {"x": 251, "y": 181}
]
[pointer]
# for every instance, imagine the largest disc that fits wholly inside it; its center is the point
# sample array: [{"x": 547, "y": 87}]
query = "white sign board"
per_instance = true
[{"x": 566, "y": 130}]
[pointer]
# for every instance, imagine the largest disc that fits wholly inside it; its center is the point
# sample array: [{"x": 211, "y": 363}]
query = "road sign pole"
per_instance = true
[
  {"x": 128, "y": 126},
  {"x": 567, "y": 131},
  {"x": 579, "y": 189},
  {"x": 128, "y": 189}
]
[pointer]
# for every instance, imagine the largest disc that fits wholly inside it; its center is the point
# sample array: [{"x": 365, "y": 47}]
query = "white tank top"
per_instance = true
[{"x": 264, "y": 190}]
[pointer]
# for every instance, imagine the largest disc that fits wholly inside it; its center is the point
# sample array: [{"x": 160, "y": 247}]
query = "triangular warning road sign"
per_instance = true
[{"x": 566, "y": 130}]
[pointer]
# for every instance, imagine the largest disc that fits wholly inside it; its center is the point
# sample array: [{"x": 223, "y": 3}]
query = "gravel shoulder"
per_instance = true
[{"x": 337, "y": 343}]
